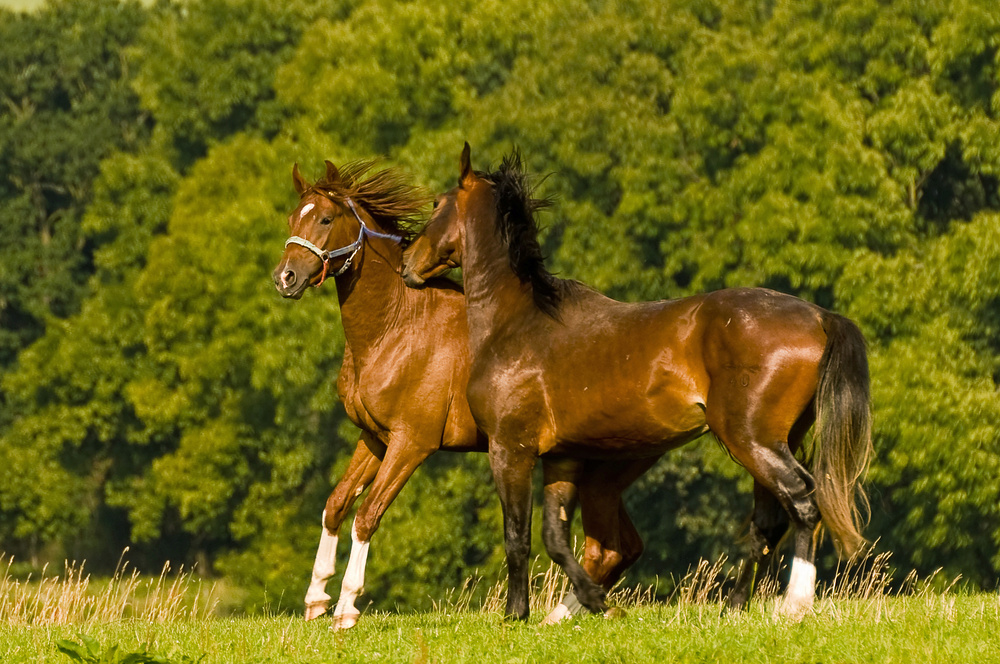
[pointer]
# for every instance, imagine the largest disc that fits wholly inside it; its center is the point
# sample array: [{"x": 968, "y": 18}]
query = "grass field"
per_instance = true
[
  {"x": 171, "y": 619},
  {"x": 931, "y": 628}
]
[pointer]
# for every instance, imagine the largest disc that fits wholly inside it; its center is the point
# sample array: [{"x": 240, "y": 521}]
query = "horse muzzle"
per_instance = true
[{"x": 289, "y": 283}]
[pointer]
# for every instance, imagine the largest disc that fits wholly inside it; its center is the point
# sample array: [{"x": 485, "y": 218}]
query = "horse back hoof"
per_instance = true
[
  {"x": 615, "y": 613},
  {"x": 794, "y": 609},
  {"x": 316, "y": 609}
]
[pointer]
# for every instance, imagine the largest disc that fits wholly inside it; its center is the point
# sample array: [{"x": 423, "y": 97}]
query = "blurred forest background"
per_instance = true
[{"x": 157, "y": 393}]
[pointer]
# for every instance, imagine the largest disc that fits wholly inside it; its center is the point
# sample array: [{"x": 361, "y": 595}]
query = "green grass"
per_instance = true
[
  {"x": 927, "y": 627},
  {"x": 861, "y": 616}
]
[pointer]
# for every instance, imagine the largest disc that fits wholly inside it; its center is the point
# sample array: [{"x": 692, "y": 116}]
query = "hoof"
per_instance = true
[
  {"x": 794, "y": 609},
  {"x": 344, "y": 621},
  {"x": 615, "y": 613},
  {"x": 316, "y": 609},
  {"x": 558, "y": 614}
]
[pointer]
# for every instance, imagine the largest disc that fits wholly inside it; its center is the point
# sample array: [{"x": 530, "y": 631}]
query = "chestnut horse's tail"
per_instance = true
[{"x": 842, "y": 438}]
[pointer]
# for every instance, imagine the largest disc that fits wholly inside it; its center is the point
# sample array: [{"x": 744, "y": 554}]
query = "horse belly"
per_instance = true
[{"x": 618, "y": 427}]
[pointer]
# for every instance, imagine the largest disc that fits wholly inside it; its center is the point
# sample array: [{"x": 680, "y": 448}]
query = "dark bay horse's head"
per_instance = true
[
  {"x": 502, "y": 200},
  {"x": 324, "y": 223},
  {"x": 438, "y": 248}
]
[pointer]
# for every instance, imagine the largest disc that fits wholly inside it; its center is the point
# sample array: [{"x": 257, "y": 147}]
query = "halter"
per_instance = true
[{"x": 350, "y": 250}]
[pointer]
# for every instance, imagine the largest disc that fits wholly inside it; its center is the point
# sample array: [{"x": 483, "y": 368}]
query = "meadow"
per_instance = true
[{"x": 864, "y": 615}]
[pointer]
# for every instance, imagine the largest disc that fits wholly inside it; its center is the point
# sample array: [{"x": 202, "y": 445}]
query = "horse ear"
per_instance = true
[
  {"x": 466, "y": 163},
  {"x": 298, "y": 181},
  {"x": 332, "y": 174}
]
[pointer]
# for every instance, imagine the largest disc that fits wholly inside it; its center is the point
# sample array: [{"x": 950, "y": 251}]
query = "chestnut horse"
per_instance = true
[
  {"x": 405, "y": 370},
  {"x": 561, "y": 372}
]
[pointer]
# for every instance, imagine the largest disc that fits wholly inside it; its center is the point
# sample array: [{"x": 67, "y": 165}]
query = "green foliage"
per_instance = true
[
  {"x": 206, "y": 69},
  {"x": 88, "y": 651},
  {"x": 65, "y": 104},
  {"x": 841, "y": 151}
]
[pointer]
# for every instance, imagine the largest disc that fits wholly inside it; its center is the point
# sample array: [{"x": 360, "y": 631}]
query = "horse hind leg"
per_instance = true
[
  {"x": 768, "y": 526},
  {"x": 607, "y": 561},
  {"x": 359, "y": 474},
  {"x": 777, "y": 471}
]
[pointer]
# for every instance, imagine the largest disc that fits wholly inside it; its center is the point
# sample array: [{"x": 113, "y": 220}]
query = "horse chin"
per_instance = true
[
  {"x": 294, "y": 292},
  {"x": 413, "y": 280}
]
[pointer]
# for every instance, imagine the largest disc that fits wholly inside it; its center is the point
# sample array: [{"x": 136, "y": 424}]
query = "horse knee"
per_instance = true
[{"x": 335, "y": 513}]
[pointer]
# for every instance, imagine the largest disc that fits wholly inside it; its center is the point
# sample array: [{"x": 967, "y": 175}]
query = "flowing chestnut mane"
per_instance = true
[
  {"x": 396, "y": 205},
  {"x": 516, "y": 207}
]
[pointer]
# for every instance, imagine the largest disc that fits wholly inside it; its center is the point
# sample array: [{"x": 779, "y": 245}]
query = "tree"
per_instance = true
[
  {"x": 66, "y": 104},
  {"x": 206, "y": 70}
]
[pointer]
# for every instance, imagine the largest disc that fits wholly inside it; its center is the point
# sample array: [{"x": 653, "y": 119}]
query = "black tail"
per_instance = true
[{"x": 843, "y": 441}]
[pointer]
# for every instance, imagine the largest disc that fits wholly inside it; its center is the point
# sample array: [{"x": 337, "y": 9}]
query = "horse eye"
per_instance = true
[{"x": 326, "y": 221}]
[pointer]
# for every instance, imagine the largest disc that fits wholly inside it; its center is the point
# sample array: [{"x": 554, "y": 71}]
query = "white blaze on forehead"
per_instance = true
[{"x": 305, "y": 209}]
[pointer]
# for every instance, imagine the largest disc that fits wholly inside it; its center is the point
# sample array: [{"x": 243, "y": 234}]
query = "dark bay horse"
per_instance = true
[
  {"x": 405, "y": 371},
  {"x": 561, "y": 372}
]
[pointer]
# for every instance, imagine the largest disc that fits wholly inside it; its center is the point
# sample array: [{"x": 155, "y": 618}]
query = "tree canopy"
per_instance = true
[{"x": 158, "y": 393}]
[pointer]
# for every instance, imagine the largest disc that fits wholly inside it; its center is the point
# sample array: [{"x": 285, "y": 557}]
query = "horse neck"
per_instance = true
[
  {"x": 371, "y": 293},
  {"x": 494, "y": 294}
]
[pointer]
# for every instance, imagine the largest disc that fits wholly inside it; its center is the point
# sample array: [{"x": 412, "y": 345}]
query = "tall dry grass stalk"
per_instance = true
[
  {"x": 73, "y": 598},
  {"x": 865, "y": 582}
]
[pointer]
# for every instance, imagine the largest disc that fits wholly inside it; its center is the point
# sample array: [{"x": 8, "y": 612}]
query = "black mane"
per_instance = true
[{"x": 516, "y": 207}]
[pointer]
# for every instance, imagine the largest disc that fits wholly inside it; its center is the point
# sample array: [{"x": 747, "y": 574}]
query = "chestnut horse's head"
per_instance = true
[
  {"x": 316, "y": 225},
  {"x": 333, "y": 218},
  {"x": 439, "y": 246}
]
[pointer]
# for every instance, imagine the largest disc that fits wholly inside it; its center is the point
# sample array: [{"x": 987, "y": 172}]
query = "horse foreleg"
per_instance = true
[
  {"x": 346, "y": 615},
  {"x": 512, "y": 476},
  {"x": 397, "y": 467},
  {"x": 612, "y": 542},
  {"x": 360, "y": 471},
  {"x": 561, "y": 479}
]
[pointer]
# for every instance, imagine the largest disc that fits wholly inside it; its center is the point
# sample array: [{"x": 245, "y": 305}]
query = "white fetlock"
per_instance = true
[
  {"x": 567, "y": 608},
  {"x": 794, "y": 609},
  {"x": 558, "y": 614},
  {"x": 345, "y": 616},
  {"x": 317, "y": 600},
  {"x": 801, "y": 593}
]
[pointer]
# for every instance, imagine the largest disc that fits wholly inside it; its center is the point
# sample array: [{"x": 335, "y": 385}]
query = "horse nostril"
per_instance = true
[{"x": 288, "y": 278}]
